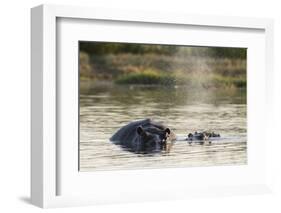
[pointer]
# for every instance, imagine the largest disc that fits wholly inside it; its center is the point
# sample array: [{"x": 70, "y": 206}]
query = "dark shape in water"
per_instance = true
[
  {"x": 202, "y": 136},
  {"x": 144, "y": 136}
]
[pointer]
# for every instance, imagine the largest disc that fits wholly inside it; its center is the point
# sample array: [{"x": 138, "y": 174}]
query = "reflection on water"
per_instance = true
[{"x": 104, "y": 108}]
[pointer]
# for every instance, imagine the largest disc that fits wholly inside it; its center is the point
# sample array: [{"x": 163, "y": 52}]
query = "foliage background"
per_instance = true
[{"x": 126, "y": 63}]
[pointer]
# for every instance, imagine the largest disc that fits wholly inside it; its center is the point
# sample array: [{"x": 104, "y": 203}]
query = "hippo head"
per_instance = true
[{"x": 152, "y": 137}]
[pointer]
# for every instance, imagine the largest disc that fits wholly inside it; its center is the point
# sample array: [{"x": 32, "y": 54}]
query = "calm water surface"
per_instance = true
[{"x": 104, "y": 108}]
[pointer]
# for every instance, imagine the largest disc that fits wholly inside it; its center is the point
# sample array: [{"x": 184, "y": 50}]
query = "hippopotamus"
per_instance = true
[
  {"x": 143, "y": 136},
  {"x": 201, "y": 136}
]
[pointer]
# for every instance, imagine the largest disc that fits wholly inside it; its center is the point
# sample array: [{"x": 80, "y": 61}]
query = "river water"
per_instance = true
[{"x": 105, "y": 107}]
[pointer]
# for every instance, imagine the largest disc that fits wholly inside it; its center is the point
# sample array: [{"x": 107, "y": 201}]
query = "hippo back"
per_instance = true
[
  {"x": 129, "y": 138},
  {"x": 128, "y": 132}
]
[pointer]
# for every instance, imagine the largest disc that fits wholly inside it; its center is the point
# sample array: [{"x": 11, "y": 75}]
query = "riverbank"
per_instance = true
[
  {"x": 170, "y": 70},
  {"x": 191, "y": 80}
]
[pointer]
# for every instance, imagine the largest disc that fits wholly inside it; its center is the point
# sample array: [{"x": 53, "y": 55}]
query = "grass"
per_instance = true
[
  {"x": 156, "y": 69},
  {"x": 150, "y": 77},
  {"x": 146, "y": 77}
]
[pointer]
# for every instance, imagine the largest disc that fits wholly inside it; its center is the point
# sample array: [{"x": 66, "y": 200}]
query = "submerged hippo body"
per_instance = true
[{"x": 144, "y": 136}]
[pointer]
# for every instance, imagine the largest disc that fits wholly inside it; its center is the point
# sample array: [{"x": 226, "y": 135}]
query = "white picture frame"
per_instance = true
[{"x": 45, "y": 168}]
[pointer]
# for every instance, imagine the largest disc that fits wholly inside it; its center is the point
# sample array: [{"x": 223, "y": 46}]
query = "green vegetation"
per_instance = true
[
  {"x": 205, "y": 67},
  {"x": 84, "y": 66},
  {"x": 156, "y": 78},
  {"x": 147, "y": 77},
  {"x": 104, "y": 48}
]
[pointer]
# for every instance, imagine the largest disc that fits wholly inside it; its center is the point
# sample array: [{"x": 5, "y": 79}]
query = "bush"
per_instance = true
[
  {"x": 150, "y": 77},
  {"x": 147, "y": 77},
  {"x": 84, "y": 65}
]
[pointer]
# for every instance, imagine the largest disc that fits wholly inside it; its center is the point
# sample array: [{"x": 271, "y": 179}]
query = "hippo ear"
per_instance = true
[
  {"x": 140, "y": 130},
  {"x": 167, "y": 130}
]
